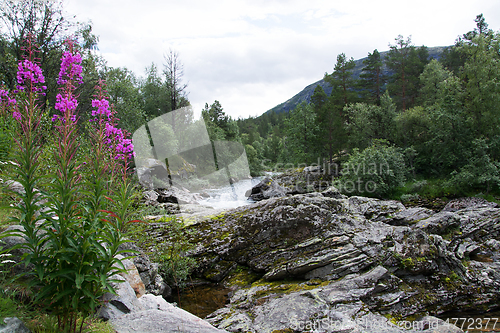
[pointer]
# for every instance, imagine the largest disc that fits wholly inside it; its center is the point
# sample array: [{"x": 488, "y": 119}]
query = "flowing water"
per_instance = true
[{"x": 230, "y": 196}]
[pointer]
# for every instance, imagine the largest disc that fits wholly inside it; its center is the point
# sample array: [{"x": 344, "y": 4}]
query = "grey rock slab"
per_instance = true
[
  {"x": 409, "y": 216},
  {"x": 13, "y": 325},
  {"x": 118, "y": 305},
  {"x": 171, "y": 319},
  {"x": 439, "y": 223}
]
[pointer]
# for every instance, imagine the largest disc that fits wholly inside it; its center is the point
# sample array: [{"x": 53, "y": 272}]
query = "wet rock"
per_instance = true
[{"x": 267, "y": 188}]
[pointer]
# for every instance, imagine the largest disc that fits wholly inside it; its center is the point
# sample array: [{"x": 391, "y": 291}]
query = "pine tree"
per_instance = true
[
  {"x": 407, "y": 62},
  {"x": 372, "y": 79},
  {"x": 341, "y": 80}
]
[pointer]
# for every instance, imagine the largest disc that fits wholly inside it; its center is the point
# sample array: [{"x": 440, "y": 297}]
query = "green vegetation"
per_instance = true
[
  {"x": 439, "y": 109},
  {"x": 168, "y": 250}
]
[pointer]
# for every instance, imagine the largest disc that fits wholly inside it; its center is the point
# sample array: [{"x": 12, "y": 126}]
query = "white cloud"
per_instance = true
[{"x": 252, "y": 55}]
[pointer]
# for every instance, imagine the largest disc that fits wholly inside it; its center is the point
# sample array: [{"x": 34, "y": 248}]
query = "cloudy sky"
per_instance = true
[{"x": 253, "y": 55}]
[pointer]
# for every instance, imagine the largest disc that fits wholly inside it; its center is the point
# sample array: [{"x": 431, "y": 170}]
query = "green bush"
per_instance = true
[{"x": 375, "y": 171}]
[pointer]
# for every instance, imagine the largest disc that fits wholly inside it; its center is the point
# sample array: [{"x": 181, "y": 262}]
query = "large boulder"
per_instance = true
[{"x": 159, "y": 316}]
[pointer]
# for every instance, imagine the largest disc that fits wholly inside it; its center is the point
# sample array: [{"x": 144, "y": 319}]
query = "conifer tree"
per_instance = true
[{"x": 372, "y": 79}]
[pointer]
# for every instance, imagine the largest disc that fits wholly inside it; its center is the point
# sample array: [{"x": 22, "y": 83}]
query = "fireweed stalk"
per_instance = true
[
  {"x": 113, "y": 140},
  {"x": 73, "y": 243},
  {"x": 27, "y": 113}
]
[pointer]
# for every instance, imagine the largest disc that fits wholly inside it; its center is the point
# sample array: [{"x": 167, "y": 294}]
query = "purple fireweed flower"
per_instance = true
[
  {"x": 27, "y": 70},
  {"x": 17, "y": 115},
  {"x": 65, "y": 103},
  {"x": 5, "y": 99},
  {"x": 71, "y": 68},
  {"x": 102, "y": 106}
]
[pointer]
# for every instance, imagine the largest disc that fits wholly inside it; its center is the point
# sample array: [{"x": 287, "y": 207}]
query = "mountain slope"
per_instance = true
[{"x": 307, "y": 92}]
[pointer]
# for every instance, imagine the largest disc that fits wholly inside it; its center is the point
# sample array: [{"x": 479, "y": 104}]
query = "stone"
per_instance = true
[
  {"x": 360, "y": 259},
  {"x": 440, "y": 223},
  {"x": 409, "y": 216},
  {"x": 265, "y": 189},
  {"x": 333, "y": 192},
  {"x": 13, "y": 325},
  {"x": 161, "y": 317},
  {"x": 435, "y": 325},
  {"x": 132, "y": 276},
  {"x": 125, "y": 301},
  {"x": 462, "y": 203}
]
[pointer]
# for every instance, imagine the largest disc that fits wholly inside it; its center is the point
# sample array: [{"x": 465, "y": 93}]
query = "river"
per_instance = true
[{"x": 230, "y": 196}]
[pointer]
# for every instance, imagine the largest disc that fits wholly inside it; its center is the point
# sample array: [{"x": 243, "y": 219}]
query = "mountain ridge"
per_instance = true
[{"x": 306, "y": 93}]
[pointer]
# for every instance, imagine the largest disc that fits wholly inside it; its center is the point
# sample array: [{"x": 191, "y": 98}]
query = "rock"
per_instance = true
[
  {"x": 160, "y": 316},
  {"x": 147, "y": 270},
  {"x": 335, "y": 307},
  {"x": 151, "y": 172},
  {"x": 132, "y": 276},
  {"x": 177, "y": 196},
  {"x": 149, "y": 313},
  {"x": 15, "y": 186},
  {"x": 151, "y": 197},
  {"x": 13, "y": 325},
  {"x": 375, "y": 209},
  {"x": 409, "y": 216},
  {"x": 435, "y": 325},
  {"x": 360, "y": 260},
  {"x": 13, "y": 242},
  {"x": 312, "y": 169},
  {"x": 267, "y": 188},
  {"x": 440, "y": 223},
  {"x": 124, "y": 302},
  {"x": 333, "y": 192},
  {"x": 462, "y": 203}
]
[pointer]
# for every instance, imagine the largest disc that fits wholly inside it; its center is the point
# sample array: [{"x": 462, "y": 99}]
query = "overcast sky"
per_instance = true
[{"x": 253, "y": 55}]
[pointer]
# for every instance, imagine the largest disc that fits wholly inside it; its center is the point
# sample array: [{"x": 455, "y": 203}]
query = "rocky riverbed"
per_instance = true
[{"x": 349, "y": 264}]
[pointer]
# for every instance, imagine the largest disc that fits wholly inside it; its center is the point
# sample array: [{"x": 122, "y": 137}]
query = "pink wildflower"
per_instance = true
[
  {"x": 71, "y": 68},
  {"x": 17, "y": 115}
]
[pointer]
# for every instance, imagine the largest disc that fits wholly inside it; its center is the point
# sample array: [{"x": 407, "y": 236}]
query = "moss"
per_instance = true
[
  {"x": 407, "y": 263},
  {"x": 241, "y": 277},
  {"x": 285, "y": 287}
]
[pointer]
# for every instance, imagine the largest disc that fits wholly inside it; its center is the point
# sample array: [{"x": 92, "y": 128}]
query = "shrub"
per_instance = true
[{"x": 375, "y": 171}]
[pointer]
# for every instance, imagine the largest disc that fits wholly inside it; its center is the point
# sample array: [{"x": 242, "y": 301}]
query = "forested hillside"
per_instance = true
[
  {"x": 431, "y": 115},
  {"x": 307, "y": 92}
]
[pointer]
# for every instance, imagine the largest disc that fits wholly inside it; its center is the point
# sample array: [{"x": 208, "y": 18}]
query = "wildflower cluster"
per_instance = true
[
  {"x": 71, "y": 67},
  {"x": 116, "y": 138},
  {"x": 30, "y": 74},
  {"x": 72, "y": 234},
  {"x": 70, "y": 73},
  {"x": 5, "y": 99}
]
